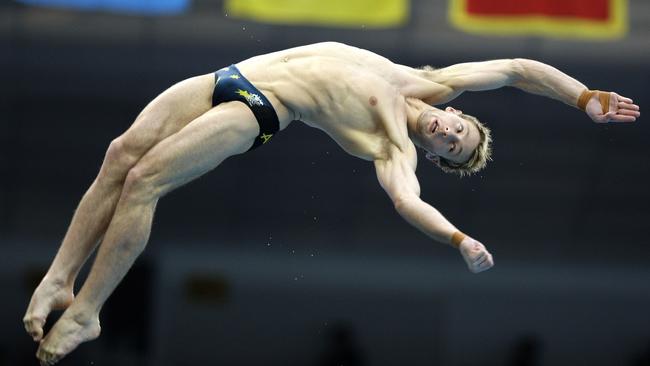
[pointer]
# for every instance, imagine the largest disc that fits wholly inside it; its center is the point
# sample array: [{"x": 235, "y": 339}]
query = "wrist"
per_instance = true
[
  {"x": 587, "y": 95},
  {"x": 584, "y": 98},
  {"x": 456, "y": 239}
]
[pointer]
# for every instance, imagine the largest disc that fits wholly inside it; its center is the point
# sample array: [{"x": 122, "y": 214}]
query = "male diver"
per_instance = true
[{"x": 373, "y": 108}]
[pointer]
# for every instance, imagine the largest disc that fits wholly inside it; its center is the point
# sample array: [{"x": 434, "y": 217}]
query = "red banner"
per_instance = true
[{"x": 560, "y": 18}]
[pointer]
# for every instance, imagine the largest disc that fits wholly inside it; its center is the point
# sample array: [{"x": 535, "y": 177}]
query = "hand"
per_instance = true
[
  {"x": 621, "y": 109},
  {"x": 478, "y": 259}
]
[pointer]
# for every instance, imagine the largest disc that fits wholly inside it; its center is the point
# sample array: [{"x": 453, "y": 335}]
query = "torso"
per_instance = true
[{"x": 355, "y": 96}]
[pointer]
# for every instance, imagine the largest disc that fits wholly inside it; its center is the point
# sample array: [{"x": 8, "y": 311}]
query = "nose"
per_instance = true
[{"x": 449, "y": 135}]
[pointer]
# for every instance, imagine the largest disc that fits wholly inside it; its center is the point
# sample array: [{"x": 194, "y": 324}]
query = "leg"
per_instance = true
[
  {"x": 224, "y": 131},
  {"x": 164, "y": 116}
]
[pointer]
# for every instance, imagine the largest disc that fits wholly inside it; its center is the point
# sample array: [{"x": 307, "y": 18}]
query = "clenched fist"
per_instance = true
[{"x": 478, "y": 259}]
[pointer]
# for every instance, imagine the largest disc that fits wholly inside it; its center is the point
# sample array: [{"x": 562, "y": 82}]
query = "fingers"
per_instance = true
[
  {"x": 615, "y": 117},
  {"x": 622, "y": 109},
  {"x": 478, "y": 259},
  {"x": 481, "y": 262},
  {"x": 630, "y": 106},
  {"x": 621, "y": 98},
  {"x": 627, "y": 112},
  {"x": 630, "y": 110},
  {"x": 621, "y": 118},
  {"x": 626, "y": 109},
  {"x": 483, "y": 265}
]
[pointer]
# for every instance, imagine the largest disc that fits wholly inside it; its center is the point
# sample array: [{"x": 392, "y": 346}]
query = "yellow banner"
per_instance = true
[{"x": 336, "y": 13}]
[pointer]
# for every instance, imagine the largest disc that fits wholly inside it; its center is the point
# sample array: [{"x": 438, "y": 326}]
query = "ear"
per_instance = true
[
  {"x": 433, "y": 158},
  {"x": 454, "y": 111}
]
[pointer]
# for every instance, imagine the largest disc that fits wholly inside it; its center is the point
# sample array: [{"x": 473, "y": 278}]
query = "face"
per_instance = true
[{"x": 446, "y": 135}]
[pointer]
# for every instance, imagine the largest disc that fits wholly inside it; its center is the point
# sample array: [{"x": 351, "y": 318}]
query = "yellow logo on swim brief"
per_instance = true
[
  {"x": 266, "y": 137},
  {"x": 234, "y": 76},
  {"x": 251, "y": 98}
]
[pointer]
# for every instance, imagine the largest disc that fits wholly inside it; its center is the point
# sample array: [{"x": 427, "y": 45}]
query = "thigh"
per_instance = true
[
  {"x": 226, "y": 130},
  {"x": 169, "y": 112}
]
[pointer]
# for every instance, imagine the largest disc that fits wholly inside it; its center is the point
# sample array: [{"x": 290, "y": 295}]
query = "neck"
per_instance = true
[{"x": 414, "y": 108}]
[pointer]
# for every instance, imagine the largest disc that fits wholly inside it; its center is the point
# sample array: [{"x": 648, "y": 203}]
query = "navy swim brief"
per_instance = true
[{"x": 231, "y": 85}]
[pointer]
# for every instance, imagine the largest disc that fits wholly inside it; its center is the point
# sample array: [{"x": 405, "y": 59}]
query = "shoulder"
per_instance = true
[
  {"x": 404, "y": 154},
  {"x": 423, "y": 83},
  {"x": 396, "y": 173}
]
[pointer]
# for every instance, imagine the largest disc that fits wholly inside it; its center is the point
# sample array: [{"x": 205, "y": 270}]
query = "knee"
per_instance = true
[
  {"x": 141, "y": 183},
  {"x": 119, "y": 159}
]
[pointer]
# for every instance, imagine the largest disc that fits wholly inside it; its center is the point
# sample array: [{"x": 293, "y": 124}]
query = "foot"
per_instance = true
[
  {"x": 68, "y": 332},
  {"x": 49, "y": 295}
]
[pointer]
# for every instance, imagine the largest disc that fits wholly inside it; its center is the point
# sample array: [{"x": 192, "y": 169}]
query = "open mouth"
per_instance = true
[{"x": 434, "y": 125}]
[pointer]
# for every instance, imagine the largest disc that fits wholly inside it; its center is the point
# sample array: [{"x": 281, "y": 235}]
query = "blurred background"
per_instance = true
[{"x": 323, "y": 271}]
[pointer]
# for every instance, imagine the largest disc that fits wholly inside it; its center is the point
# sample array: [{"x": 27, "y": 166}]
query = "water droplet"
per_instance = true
[{"x": 243, "y": 28}]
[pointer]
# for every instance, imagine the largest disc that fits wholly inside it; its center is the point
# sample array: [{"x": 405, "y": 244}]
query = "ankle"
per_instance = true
[
  {"x": 81, "y": 315},
  {"x": 59, "y": 282}
]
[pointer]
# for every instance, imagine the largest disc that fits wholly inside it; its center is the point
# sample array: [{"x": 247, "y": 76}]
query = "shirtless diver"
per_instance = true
[{"x": 373, "y": 108}]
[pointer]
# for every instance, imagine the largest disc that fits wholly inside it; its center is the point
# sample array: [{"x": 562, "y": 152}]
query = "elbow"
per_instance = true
[
  {"x": 519, "y": 63},
  {"x": 518, "y": 67},
  {"x": 402, "y": 203}
]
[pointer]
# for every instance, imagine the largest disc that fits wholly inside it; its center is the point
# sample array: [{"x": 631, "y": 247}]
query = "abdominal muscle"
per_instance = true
[{"x": 351, "y": 94}]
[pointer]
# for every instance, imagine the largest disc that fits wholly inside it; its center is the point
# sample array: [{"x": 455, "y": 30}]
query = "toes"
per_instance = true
[
  {"x": 34, "y": 327},
  {"x": 42, "y": 358},
  {"x": 47, "y": 358},
  {"x": 55, "y": 358},
  {"x": 37, "y": 334}
]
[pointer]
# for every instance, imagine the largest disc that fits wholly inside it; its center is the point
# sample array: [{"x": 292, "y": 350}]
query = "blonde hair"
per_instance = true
[{"x": 482, "y": 154}]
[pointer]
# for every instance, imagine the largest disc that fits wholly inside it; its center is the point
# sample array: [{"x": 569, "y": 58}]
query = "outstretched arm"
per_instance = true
[
  {"x": 537, "y": 78},
  {"x": 396, "y": 175}
]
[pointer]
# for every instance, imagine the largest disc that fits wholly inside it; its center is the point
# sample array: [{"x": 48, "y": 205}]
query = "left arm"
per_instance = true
[
  {"x": 536, "y": 78},
  {"x": 396, "y": 174}
]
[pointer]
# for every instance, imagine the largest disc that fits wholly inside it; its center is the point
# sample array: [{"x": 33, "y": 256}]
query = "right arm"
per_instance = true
[{"x": 396, "y": 174}]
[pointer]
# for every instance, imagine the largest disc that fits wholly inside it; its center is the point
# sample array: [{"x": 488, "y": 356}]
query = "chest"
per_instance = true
[{"x": 371, "y": 125}]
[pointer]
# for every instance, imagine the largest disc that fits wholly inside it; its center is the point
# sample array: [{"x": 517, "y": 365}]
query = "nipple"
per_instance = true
[{"x": 372, "y": 100}]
